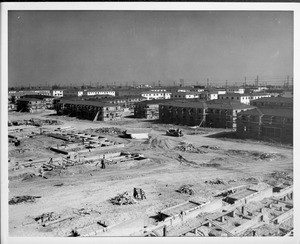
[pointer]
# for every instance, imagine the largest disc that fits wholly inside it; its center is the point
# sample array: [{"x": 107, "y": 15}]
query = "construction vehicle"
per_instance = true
[{"x": 174, "y": 132}]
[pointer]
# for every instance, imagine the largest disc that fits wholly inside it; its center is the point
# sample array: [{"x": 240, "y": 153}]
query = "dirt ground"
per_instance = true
[{"x": 233, "y": 161}]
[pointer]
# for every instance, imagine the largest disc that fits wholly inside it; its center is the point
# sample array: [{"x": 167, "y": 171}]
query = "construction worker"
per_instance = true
[
  {"x": 143, "y": 195},
  {"x": 103, "y": 162}
]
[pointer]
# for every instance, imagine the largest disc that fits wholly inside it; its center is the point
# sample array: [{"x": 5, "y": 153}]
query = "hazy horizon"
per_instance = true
[{"x": 76, "y": 47}]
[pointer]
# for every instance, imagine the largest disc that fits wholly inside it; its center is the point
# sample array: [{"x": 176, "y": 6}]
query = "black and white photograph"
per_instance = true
[{"x": 148, "y": 122}]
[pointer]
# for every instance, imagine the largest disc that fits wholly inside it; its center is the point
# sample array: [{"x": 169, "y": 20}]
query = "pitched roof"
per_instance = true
[
  {"x": 277, "y": 112},
  {"x": 235, "y": 95},
  {"x": 269, "y": 112},
  {"x": 275, "y": 99},
  {"x": 88, "y": 103},
  {"x": 187, "y": 103},
  {"x": 227, "y": 104},
  {"x": 154, "y": 101}
]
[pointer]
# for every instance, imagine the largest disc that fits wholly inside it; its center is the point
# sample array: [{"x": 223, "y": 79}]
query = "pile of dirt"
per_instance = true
[
  {"x": 122, "y": 199},
  {"x": 186, "y": 189},
  {"x": 189, "y": 148},
  {"x": 255, "y": 154},
  {"x": 20, "y": 199},
  {"x": 109, "y": 130},
  {"x": 160, "y": 143}
]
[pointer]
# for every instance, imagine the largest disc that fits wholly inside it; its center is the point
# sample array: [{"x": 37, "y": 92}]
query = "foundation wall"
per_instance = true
[
  {"x": 281, "y": 218},
  {"x": 246, "y": 225},
  {"x": 192, "y": 213},
  {"x": 283, "y": 192},
  {"x": 259, "y": 195}
]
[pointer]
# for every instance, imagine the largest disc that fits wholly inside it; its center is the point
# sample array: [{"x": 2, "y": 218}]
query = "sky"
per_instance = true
[{"x": 103, "y": 47}]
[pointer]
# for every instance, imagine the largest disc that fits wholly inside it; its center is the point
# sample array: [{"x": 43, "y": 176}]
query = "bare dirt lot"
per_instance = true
[{"x": 233, "y": 161}]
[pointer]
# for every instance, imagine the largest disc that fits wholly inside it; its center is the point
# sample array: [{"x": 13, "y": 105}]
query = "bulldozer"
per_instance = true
[{"x": 174, "y": 132}]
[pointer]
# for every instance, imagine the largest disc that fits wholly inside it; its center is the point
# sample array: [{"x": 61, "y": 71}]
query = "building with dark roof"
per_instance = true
[
  {"x": 223, "y": 113},
  {"x": 123, "y": 101},
  {"x": 266, "y": 124},
  {"x": 30, "y": 105},
  {"x": 187, "y": 112},
  {"x": 47, "y": 100},
  {"x": 215, "y": 113},
  {"x": 148, "y": 109},
  {"x": 91, "y": 110},
  {"x": 273, "y": 102}
]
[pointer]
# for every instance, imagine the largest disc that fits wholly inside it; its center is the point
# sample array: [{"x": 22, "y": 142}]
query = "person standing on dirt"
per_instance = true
[{"x": 103, "y": 162}]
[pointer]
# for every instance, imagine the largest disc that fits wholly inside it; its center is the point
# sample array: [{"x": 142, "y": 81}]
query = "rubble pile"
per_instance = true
[
  {"x": 215, "y": 182},
  {"x": 189, "y": 148},
  {"x": 186, "y": 189},
  {"x": 122, "y": 199},
  {"x": 109, "y": 130},
  {"x": 20, "y": 199},
  {"x": 46, "y": 217}
]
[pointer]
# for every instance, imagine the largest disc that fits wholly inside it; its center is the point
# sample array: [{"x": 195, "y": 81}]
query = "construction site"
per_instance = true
[{"x": 133, "y": 177}]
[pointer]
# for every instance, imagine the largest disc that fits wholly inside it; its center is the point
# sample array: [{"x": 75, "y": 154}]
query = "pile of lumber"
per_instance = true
[
  {"x": 46, "y": 217},
  {"x": 109, "y": 130},
  {"x": 122, "y": 199},
  {"x": 20, "y": 199}
]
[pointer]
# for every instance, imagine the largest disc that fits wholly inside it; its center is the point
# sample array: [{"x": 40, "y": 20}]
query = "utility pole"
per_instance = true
[
  {"x": 287, "y": 82},
  {"x": 181, "y": 82}
]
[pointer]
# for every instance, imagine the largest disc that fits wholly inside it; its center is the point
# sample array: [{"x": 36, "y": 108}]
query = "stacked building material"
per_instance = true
[
  {"x": 46, "y": 217},
  {"x": 20, "y": 199}
]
